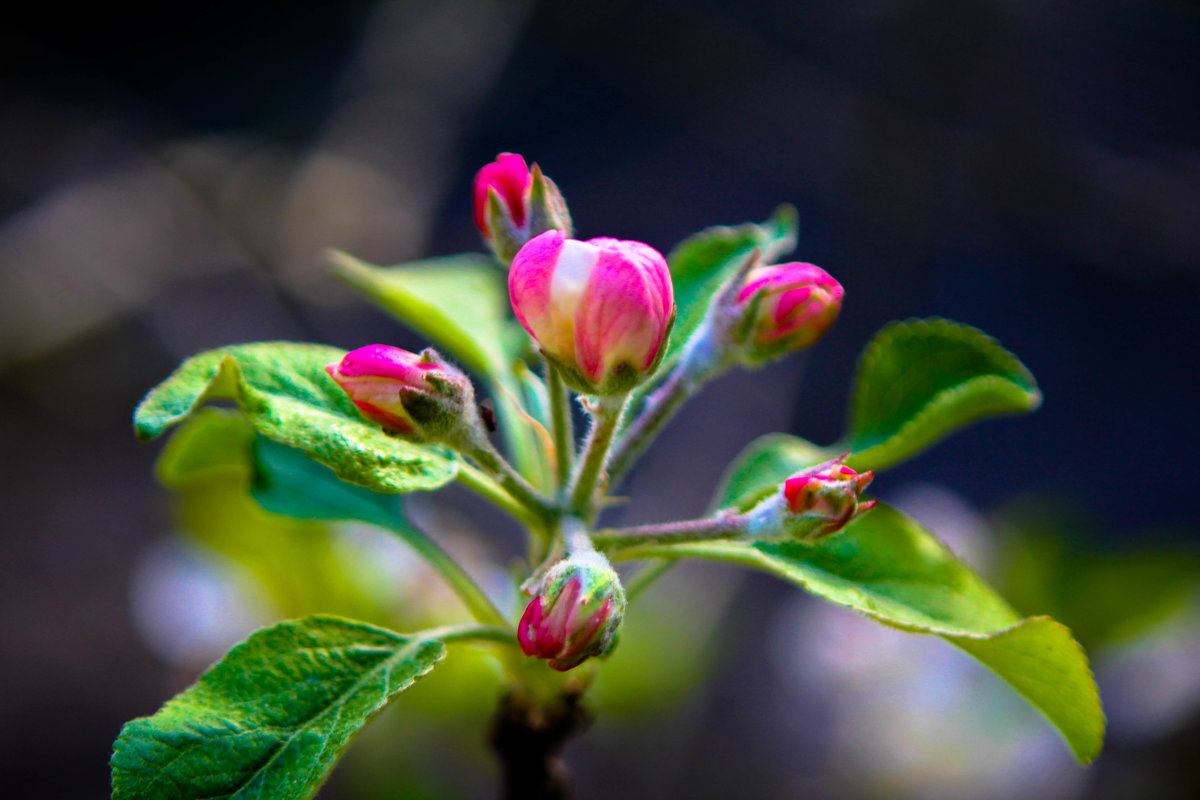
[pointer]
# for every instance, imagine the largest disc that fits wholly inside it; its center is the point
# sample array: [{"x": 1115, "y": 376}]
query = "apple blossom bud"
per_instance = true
[
  {"x": 828, "y": 494},
  {"x": 514, "y": 203},
  {"x": 418, "y": 396},
  {"x": 576, "y": 612},
  {"x": 600, "y": 310},
  {"x": 786, "y": 307}
]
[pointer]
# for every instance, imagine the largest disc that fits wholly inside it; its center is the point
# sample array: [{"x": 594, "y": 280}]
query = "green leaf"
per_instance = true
[
  {"x": 919, "y": 380},
  {"x": 763, "y": 465},
  {"x": 887, "y": 567},
  {"x": 272, "y": 717},
  {"x": 288, "y": 483},
  {"x": 460, "y": 303},
  {"x": 1048, "y": 668},
  {"x": 211, "y": 446},
  {"x": 283, "y": 390},
  {"x": 1053, "y": 564},
  {"x": 702, "y": 262}
]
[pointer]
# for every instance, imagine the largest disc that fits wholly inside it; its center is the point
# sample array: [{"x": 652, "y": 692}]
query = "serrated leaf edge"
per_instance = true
[
  {"x": 925, "y": 328},
  {"x": 415, "y": 644}
]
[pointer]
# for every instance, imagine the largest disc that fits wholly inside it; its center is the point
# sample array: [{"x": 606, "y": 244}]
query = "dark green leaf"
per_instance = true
[
  {"x": 919, "y": 380},
  {"x": 288, "y": 483},
  {"x": 763, "y": 465},
  {"x": 283, "y": 390},
  {"x": 701, "y": 263},
  {"x": 272, "y": 717},
  {"x": 886, "y": 566},
  {"x": 1054, "y": 565}
]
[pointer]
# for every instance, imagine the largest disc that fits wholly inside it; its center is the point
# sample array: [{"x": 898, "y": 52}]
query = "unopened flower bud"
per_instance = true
[
  {"x": 786, "y": 307},
  {"x": 418, "y": 396},
  {"x": 600, "y": 310},
  {"x": 828, "y": 494},
  {"x": 514, "y": 203},
  {"x": 576, "y": 612}
]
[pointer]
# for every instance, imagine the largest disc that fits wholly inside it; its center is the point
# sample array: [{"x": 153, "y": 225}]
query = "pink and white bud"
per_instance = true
[
  {"x": 418, "y": 396},
  {"x": 600, "y": 309},
  {"x": 829, "y": 494},
  {"x": 576, "y": 613},
  {"x": 514, "y": 203},
  {"x": 789, "y": 306}
]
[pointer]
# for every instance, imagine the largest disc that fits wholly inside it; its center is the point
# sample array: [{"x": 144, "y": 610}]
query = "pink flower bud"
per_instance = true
[
  {"x": 514, "y": 203},
  {"x": 828, "y": 493},
  {"x": 509, "y": 178},
  {"x": 416, "y": 395},
  {"x": 792, "y": 307},
  {"x": 576, "y": 613},
  {"x": 600, "y": 309}
]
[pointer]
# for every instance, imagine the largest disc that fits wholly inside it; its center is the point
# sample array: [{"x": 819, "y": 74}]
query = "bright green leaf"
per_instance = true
[
  {"x": 702, "y": 262},
  {"x": 763, "y": 465},
  {"x": 272, "y": 717},
  {"x": 1048, "y": 668},
  {"x": 920, "y": 380},
  {"x": 460, "y": 303},
  {"x": 212, "y": 445},
  {"x": 886, "y": 566},
  {"x": 283, "y": 390}
]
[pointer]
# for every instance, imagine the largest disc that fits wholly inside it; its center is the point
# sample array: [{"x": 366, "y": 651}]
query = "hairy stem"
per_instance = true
[
  {"x": 560, "y": 422},
  {"x": 722, "y": 526},
  {"x": 605, "y": 417}
]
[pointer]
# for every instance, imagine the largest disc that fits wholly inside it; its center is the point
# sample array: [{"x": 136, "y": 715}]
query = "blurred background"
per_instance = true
[{"x": 169, "y": 179}]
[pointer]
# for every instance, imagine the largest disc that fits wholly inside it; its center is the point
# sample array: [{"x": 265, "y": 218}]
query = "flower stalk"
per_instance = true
[
  {"x": 606, "y": 416},
  {"x": 562, "y": 429}
]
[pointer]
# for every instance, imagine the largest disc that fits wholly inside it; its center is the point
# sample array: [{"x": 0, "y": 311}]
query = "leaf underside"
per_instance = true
[
  {"x": 271, "y": 718},
  {"x": 284, "y": 392}
]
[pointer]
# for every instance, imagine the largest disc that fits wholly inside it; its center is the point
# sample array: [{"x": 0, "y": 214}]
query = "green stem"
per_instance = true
[
  {"x": 478, "y": 603},
  {"x": 606, "y": 415},
  {"x": 562, "y": 428},
  {"x": 482, "y": 484},
  {"x": 470, "y": 632},
  {"x": 516, "y": 486},
  {"x": 723, "y": 526}
]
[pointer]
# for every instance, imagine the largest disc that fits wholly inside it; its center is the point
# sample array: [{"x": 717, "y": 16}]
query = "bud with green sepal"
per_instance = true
[
  {"x": 784, "y": 307},
  {"x": 823, "y": 500},
  {"x": 417, "y": 396},
  {"x": 575, "y": 613},
  {"x": 514, "y": 203}
]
